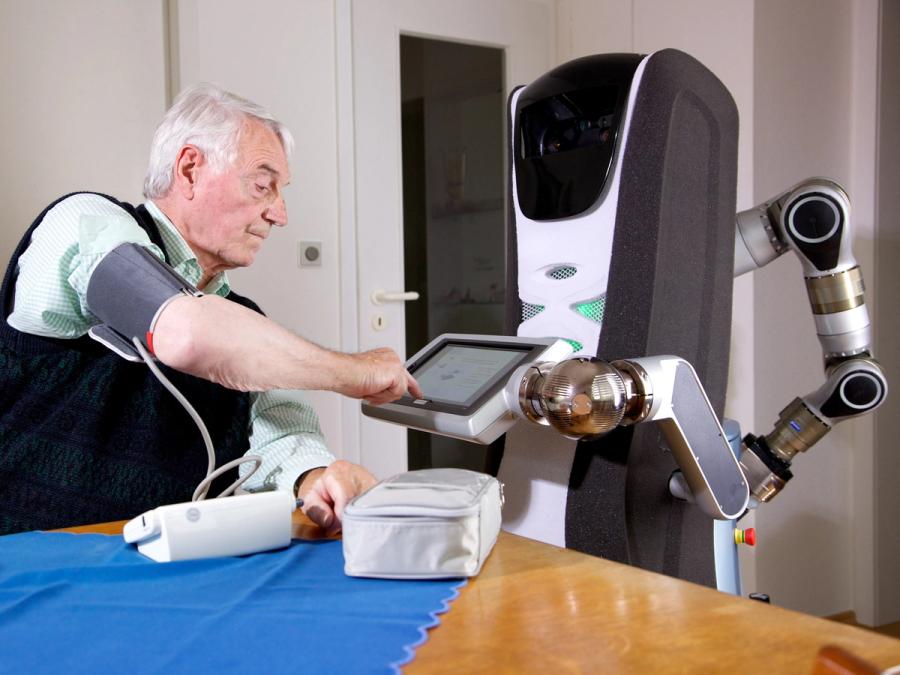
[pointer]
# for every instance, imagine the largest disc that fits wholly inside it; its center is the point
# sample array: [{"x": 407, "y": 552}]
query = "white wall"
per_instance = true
[
  {"x": 83, "y": 88},
  {"x": 861, "y": 184},
  {"x": 817, "y": 534},
  {"x": 887, "y": 290}
]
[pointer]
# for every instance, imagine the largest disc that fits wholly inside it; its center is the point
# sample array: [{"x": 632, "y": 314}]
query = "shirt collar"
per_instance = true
[{"x": 181, "y": 257}]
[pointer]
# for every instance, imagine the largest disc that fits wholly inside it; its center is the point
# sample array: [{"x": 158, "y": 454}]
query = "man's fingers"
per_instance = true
[
  {"x": 340, "y": 491},
  {"x": 385, "y": 396},
  {"x": 398, "y": 387},
  {"x": 340, "y": 483},
  {"x": 317, "y": 505},
  {"x": 382, "y": 378},
  {"x": 413, "y": 387}
]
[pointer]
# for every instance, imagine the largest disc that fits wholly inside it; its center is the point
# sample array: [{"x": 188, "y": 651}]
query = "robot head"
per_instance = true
[{"x": 568, "y": 122}]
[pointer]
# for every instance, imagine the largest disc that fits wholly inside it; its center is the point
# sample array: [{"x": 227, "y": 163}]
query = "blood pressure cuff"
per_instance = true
[{"x": 128, "y": 291}]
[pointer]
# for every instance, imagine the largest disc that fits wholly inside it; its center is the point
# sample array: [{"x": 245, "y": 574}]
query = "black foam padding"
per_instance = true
[{"x": 669, "y": 292}]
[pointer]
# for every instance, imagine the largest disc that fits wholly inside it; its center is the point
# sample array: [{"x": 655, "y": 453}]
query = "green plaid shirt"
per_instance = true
[{"x": 50, "y": 300}]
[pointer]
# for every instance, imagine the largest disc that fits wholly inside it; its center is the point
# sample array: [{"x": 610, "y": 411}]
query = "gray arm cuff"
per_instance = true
[{"x": 128, "y": 290}]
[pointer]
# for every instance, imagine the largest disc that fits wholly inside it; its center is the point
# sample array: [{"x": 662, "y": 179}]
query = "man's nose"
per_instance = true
[{"x": 276, "y": 213}]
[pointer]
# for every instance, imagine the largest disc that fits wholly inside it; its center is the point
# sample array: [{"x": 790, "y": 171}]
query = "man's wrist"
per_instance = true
[
  {"x": 337, "y": 369},
  {"x": 298, "y": 484}
]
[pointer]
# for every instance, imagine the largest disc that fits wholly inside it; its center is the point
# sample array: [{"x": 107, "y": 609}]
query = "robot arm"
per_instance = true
[
  {"x": 812, "y": 219},
  {"x": 585, "y": 398}
]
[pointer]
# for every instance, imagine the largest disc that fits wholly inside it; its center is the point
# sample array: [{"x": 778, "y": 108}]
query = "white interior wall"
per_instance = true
[
  {"x": 887, "y": 346},
  {"x": 804, "y": 76},
  {"x": 862, "y": 187},
  {"x": 83, "y": 88}
]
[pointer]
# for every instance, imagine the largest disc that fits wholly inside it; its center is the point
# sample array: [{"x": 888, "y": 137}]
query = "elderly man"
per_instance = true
[{"x": 86, "y": 436}]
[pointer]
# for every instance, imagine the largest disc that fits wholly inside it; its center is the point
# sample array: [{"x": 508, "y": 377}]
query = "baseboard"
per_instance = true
[{"x": 848, "y": 617}]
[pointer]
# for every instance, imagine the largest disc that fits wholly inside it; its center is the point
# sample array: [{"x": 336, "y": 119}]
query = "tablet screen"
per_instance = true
[{"x": 459, "y": 374}]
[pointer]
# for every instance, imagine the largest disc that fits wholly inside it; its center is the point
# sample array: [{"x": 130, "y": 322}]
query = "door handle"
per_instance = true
[{"x": 381, "y": 296}]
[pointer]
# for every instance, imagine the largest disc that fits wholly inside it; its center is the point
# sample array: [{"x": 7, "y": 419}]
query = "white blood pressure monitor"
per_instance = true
[{"x": 470, "y": 392}]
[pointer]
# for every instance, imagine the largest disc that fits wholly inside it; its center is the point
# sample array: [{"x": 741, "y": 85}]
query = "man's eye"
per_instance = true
[{"x": 262, "y": 189}]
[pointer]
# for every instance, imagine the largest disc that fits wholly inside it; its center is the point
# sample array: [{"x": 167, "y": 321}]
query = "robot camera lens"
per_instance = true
[{"x": 560, "y": 137}]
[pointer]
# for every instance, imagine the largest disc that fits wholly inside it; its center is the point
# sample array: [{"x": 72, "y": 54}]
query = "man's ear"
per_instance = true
[{"x": 187, "y": 168}]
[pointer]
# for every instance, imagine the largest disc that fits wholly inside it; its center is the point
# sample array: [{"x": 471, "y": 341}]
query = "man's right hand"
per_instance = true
[
  {"x": 378, "y": 376},
  {"x": 326, "y": 491}
]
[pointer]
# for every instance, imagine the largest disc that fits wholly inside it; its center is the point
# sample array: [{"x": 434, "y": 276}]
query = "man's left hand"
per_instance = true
[{"x": 326, "y": 491}]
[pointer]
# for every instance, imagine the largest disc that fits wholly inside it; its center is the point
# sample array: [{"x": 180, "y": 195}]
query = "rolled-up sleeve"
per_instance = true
[
  {"x": 286, "y": 434},
  {"x": 54, "y": 271}
]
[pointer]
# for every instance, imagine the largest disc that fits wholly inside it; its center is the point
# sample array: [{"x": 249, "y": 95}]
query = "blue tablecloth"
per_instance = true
[{"x": 90, "y": 603}]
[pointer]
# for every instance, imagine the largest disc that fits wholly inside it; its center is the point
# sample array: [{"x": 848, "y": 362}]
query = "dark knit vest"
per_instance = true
[{"x": 87, "y": 437}]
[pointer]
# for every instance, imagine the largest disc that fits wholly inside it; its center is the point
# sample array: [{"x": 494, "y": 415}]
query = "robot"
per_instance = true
[
  {"x": 622, "y": 240},
  {"x": 622, "y": 173}
]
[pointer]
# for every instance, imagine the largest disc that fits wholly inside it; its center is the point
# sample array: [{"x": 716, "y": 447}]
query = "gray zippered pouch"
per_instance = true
[{"x": 426, "y": 524}]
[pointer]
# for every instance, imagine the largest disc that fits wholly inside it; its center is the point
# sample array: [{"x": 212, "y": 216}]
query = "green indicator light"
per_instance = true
[{"x": 592, "y": 310}]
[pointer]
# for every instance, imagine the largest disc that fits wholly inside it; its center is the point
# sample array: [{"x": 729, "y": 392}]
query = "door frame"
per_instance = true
[
  {"x": 350, "y": 413},
  {"x": 498, "y": 30}
]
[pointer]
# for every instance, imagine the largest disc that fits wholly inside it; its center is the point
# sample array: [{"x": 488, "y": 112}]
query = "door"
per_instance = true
[{"x": 524, "y": 31}]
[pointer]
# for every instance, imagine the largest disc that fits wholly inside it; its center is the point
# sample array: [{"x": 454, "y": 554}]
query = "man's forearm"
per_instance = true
[{"x": 224, "y": 342}]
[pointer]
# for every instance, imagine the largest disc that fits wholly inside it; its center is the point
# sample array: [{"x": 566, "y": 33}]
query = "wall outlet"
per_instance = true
[{"x": 309, "y": 254}]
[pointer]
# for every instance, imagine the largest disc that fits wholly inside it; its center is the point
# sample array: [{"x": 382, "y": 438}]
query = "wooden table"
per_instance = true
[{"x": 539, "y": 608}]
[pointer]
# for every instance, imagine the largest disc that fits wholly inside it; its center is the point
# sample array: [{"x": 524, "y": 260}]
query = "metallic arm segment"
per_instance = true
[
  {"x": 584, "y": 398},
  {"x": 812, "y": 219}
]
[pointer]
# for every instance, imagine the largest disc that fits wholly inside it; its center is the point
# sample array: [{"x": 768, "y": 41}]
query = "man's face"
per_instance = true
[{"x": 233, "y": 211}]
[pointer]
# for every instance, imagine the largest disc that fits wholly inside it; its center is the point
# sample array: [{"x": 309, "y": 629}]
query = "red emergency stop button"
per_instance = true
[{"x": 747, "y": 536}]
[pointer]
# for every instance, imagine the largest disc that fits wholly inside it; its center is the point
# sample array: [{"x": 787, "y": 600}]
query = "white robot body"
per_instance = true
[{"x": 545, "y": 484}]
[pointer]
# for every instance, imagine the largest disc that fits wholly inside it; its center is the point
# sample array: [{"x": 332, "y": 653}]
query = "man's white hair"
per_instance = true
[{"x": 211, "y": 119}]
